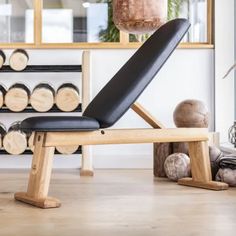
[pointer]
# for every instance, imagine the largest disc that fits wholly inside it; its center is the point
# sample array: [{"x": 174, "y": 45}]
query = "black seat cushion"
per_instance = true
[
  {"x": 130, "y": 81},
  {"x": 59, "y": 123}
]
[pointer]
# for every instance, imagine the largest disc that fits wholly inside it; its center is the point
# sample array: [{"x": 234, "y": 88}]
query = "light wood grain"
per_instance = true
[
  {"x": 87, "y": 159},
  {"x": 40, "y": 175},
  {"x": 123, "y": 136},
  {"x": 117, "y": 202},
  {"x": 147, "y": 116},
  {"x": 67, "y": 150},
  {"x": 1, "y": 100},
  {"x": 18, "y": 60},
  {"x": 16, "y": 99},
  {"x": 201, "y": 168},
  {"x": 67, "y": 99},
  {"x": 124, "y": 37},
  {"x": 210, "y": 20},
  {"x": 15, "y": 142},
  {"x": 38, "y": 6},
  {"x": 200, "y": 161},
  {"x": 96, "y": 45},
  {"x": 42, "y": 99}
]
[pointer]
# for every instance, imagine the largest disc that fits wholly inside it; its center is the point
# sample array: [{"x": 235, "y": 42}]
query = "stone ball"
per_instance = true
[
  {"x": 227, "y": 176},
  {"x": 191, "y": 113},
  {"x": 177, "y": 166},
  {"x": 215, "y": 155}
]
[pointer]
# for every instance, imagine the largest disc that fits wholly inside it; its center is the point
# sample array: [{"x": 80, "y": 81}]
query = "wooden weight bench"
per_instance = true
[{"x": 106, "y": 109}]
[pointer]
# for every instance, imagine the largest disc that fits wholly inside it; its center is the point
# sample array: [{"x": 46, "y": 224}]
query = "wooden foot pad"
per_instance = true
[
  {"x": 212, "y": 185},
  {"x": 86, "y": 173},
  {"x": 48, "y": 202}
]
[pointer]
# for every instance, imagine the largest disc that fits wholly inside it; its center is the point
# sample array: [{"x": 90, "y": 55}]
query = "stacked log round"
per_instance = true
[
  {"x": 67, "y": 97},
  {"x": 15, "y": 140},
  {"x": 17, "y": 97},
  {"x": 67, "y": 150},
  {"x": 18, "y": 60},
  {"x": 2, "y": 95},
  {"x": 31, "y": 142},
  {"x": 3, "y": 132},
  {"x": 2, "y": 58},
  {"x": 42, "y": 97}
]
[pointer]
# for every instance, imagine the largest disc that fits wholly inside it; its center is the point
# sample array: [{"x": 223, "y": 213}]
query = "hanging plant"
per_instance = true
[
  {"x": 174, "y": 8},
  {"x": 112, "y": 34}
]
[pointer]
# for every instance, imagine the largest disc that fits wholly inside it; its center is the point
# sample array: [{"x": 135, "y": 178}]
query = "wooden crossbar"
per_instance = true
[{"x": 125, "y": 136}]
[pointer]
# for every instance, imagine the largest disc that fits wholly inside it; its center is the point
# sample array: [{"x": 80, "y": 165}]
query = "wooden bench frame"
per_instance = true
[{"x": 45, "y": 142}]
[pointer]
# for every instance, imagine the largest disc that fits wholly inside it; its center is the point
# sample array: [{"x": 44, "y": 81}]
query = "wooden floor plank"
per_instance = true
[{"x": 115, "y": 202}]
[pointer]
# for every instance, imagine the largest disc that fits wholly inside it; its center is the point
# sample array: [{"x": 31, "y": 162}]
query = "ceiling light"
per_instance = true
[{"x": 86, "y": 4}]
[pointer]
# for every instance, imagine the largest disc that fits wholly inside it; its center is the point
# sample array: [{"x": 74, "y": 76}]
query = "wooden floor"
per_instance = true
[{"x": 117, "y": 203}]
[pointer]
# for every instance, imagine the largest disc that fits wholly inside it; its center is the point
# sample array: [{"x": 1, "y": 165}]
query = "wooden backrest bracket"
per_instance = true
[{"x": 150, "y": 119}]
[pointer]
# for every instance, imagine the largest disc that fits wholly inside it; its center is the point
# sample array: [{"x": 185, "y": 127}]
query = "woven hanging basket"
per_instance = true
[{"x": 139, "y": 16}]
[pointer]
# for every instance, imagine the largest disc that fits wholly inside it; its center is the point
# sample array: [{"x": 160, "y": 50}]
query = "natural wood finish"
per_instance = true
[
  {"x": 31, "y": 141},
  {"x": 86, "y": 71},
  {"x": 87, "y": 159},
  {"x": 123, "y": 44},
  {"x": 18, "y": 60},
  {"x": 210, "y": 21},
  {"x": 86, "y": 173},
  {"x": 159, "y": 155},
  {"x": 38, "y": 6},
  {"x": 125, "y": 136},
  {"x": 1, "y": 99},
  {"x": 97, "y": 46},
  {"x": 40, "y": 174},
  {"x": 200, "y": 161},
  {"x": 15, "y": 142},
  {"x": 1, "y": 62},
  {"x": 42, "y": 99},
  {"x": 67, "y": 99},
  {"x": 151, "y": 120},
  {"x": 16, "y": 99},
  {"x": 124, "y": 37},
  {"x": 117, "y": 202},
  {"x": 67, "y": 150},
  {"x": 160, "y": 152},
  {"x": 200, "y": 168},
  {"x": 44, "y": 203},
  {"x": 211, "y": 185}
]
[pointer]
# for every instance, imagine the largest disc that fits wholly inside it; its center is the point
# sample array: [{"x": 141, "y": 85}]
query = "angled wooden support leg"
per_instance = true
[
  {"x": 200, "y": 168},
  {"x": 40, "y": 174}
]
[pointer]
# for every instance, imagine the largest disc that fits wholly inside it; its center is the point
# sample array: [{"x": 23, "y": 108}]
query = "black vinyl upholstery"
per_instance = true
[
  {"x": 130, "y": 81},
  {"x": 124, "y": 88},
  {"x": 59, "y": 123}
]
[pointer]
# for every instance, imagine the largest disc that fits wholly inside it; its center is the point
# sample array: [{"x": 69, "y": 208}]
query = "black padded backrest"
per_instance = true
[{"x": 129, "y": 82}]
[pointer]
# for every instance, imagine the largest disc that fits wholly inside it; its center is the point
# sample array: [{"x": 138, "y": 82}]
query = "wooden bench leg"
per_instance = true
[
  {"x": 87, "y": 161},
  {"x": 40, "y": 174},
  {"x": 201, "y": 169}
]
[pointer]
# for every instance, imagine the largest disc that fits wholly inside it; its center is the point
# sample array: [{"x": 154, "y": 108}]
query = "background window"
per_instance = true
[
  {"x": 13, "y": 23},
  {"x": 68, "y": 21}
]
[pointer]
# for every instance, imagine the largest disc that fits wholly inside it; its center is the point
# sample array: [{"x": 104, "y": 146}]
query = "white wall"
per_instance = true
[
  {"x": 224, "y": 59},
  {"x": 189, "y": 73}
]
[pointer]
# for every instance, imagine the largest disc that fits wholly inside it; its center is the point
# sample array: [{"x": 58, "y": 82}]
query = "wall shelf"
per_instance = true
[
  {"x": 44, "y": 69},
  {"x": 29, "y": 109},
  {"x": 29, "y": 152}
]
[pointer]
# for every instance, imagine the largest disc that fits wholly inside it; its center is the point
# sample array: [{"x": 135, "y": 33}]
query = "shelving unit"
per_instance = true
[
  {"x": 87, "y": 168},
  {"x": 29, "y": 109},
  {"x": 45, "y": 69}
]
